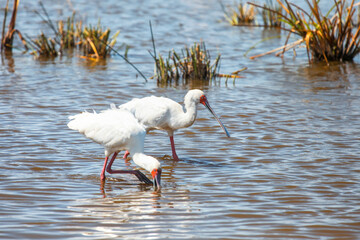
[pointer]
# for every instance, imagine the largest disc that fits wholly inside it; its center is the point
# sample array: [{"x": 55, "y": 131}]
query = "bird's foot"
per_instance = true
[
  {"x": 126, "y": 154},
  {"x": 175, "y": 157},
  {"x": 102, "y": 177}
]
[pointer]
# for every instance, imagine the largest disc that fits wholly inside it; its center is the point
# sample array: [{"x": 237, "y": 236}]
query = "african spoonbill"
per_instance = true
[
  {"x": 165, "y": 114},
  {"x": 118, "y": 130}
]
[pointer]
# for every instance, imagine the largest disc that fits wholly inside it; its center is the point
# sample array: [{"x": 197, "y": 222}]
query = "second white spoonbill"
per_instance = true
[{"x": 165, "y": 114}]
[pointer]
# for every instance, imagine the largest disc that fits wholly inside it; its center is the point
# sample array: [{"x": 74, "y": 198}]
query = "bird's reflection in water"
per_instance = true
[{"x": 108, "y": 186}]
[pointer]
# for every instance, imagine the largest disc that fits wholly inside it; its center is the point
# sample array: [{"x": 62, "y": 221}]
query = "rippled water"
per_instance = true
[{"x": 289, "y": 171}]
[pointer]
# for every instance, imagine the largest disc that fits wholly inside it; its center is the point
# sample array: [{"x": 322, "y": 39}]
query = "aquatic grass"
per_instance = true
[
  {"x": 356, "y": 21},
  {"x": 3, "y": 26},
  {"x": 240, "y": 14},
  {"x": 95, "y": 41},
  {"x": 68, "y": 32},
  {"x": 271, "y": 18},
  {"x": 44, "y": 46},
  {"x": 243, "y": 14},
  {"x": 326, "y": 38},
  {"x": 192, "y": 63},
  {"x": 8, "y": 37}
]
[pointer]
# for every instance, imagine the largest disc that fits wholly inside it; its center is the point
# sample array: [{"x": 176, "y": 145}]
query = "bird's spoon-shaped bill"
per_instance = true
[{"x": 207, "y": 105}]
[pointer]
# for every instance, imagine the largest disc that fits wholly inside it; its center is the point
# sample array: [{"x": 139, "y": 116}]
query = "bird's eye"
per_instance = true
[{"x": 202, "y": 99}]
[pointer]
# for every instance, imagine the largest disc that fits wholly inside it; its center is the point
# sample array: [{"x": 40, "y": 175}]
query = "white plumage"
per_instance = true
[
  {"x": 165, "y": 114},
  {"x": 117, "y": 130}
]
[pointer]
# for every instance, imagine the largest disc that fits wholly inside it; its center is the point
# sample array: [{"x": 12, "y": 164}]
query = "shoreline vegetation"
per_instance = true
[
  {"x": 92, "y": 42},
  {"x": 190, "y": 64},
  {"x": 247, "y": 14},
  {"x": 8, "y": 36},
  {"x": 333, "y": 36}
]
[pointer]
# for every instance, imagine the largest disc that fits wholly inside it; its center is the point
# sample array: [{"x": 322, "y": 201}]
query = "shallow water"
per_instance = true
[{"x": 289, "y": 171}]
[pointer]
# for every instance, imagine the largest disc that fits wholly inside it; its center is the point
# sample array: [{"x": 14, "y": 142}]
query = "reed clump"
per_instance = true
[
  {"x": 192, "y": 63},
  {"x": 68, "y": 32},
  {"x": 240, "y": 14},
  {"x": 327, "y": 38},
  {"x": 8, "y": 37},
  {"x": 95, "y": 42},
  {"x": 356, "y": 21},
  {"x": 270, "y": 15},
  {"x": 44, "y": 46},
  {"x": 244, "y": 14}
]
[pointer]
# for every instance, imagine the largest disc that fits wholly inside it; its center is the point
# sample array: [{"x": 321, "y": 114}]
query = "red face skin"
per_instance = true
[
  {"x": 156, "y": 174},
  {"x": 203, "y": 100}
]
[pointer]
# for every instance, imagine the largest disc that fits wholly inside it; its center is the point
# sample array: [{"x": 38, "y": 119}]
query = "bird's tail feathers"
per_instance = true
[{"x": 81, "y": 120}]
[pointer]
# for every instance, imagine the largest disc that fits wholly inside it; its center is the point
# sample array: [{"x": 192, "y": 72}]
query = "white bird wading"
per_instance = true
[
  {"x": 118, "y": 130},
  {"x": 165, "y": 114}
]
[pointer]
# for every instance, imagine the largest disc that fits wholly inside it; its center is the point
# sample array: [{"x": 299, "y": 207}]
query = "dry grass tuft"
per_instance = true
[
  {"x": 327, "y": 38},
  {"x": 192, "y": 63},
  {"x": 270, "y": 15},
  {"x": 94, "y": 42},
  {"x": 69, "y": 35},
  {"x": 240, "y": 14},
  {"x": 44, "y": 46},
  {"x": 8, "y": 37}
]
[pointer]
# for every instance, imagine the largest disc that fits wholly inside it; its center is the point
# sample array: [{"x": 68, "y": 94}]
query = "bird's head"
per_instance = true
[
  {"x": 197, "y": 96},
  {"x": 151, "y": 164},
  {"x": 156, "y": 174},
  {"x": 194, "y": 96}
]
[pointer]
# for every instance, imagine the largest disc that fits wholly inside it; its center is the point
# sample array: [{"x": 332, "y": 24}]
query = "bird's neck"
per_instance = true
[{"x": 190, "y": 113}]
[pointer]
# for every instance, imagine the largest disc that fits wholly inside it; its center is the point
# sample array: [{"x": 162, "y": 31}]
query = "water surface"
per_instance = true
[{"x": 289, "y": 171}]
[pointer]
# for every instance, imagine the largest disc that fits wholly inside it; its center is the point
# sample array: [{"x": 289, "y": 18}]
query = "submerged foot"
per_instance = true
[
  {"x": 126, "y": 155},
  {"x": 175, "y": 157}
]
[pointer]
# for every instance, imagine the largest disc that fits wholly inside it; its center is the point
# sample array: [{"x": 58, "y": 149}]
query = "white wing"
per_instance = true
[
  {"x": 114, "y": 128},
  {"x": 153, "y": 112}
]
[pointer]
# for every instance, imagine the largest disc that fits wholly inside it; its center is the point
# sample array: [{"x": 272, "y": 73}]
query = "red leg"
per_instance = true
[
  {"x": 111, "y": 162},
  {"x": 173, "y": 149},
  {"x": 126, "y": 154},
  {"x": 102, "y": 175},
  {"x": 137, "y": 173}
]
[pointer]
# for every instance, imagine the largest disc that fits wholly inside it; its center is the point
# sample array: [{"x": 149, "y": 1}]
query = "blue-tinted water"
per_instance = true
[{"x": 289, "y": 171}]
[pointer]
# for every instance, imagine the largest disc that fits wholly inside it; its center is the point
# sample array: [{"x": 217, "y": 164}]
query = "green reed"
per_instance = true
[
  {"x": 240, "y": 14},
  {"x": 271, "y": 18},
  {"x": 192, "y": 63},
  {"x": 8, "y": 37},
  {"x": 44, "y": 46},
  {"x": 95, "y": 41},
  {"x": 68, "y": 32}
]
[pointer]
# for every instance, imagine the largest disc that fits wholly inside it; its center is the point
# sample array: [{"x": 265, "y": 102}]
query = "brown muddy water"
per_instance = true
[{"x": 289, "y": 171}]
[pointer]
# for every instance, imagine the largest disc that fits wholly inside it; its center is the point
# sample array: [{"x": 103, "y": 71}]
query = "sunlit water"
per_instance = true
[{"x": 289, "y": 171}]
